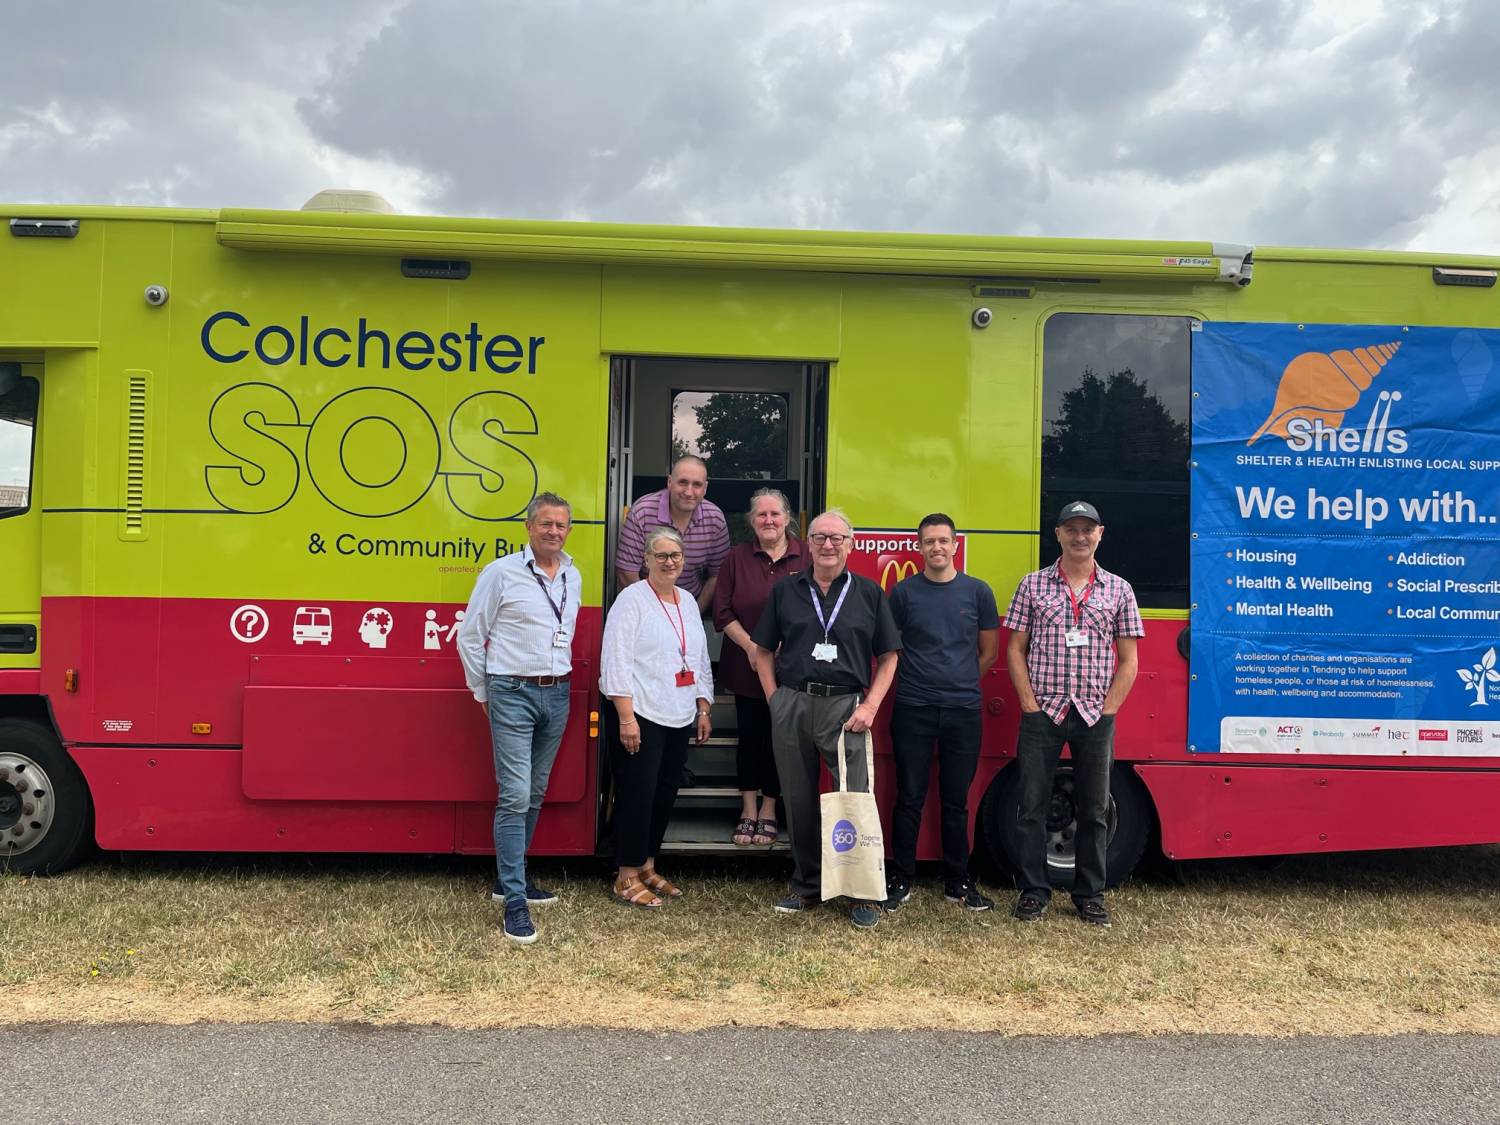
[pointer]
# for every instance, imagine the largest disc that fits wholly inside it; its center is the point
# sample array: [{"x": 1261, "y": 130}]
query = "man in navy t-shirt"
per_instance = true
[{"x": 950, "y": 636}]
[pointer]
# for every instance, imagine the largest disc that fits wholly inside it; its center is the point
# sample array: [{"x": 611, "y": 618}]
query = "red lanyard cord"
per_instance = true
[{"x": 680, "y": 628}]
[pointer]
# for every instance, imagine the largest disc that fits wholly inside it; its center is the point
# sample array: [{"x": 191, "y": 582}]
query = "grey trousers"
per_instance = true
[{"x": 804, "y": 733}]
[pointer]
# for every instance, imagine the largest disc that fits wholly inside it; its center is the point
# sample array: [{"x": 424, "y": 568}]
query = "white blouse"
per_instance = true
[{"x": 643, "y": 654}]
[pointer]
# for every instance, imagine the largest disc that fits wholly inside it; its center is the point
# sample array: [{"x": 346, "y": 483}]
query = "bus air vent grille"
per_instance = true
[{"x": 133, "y": 519}]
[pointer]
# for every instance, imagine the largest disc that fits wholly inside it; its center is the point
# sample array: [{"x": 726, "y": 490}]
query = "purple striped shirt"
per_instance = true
[
  {"x": 1063, "y": 676},
  {"x": 704, "y": 543}
]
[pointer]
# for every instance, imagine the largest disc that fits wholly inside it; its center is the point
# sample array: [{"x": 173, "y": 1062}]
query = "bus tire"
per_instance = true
[
  {"x": 1130, "y": 821},
  {"x": 46, "y": 815}
]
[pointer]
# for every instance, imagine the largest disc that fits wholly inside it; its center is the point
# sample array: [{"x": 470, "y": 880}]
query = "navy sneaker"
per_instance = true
[
  {"x": 795, "y": 904},
  {"x": 897, "y": 891},
  {"x": 1030, "y": 907},
  {"x": 1094, "y": 913},
  {"x": 864, "y": 915},
  {"x": 967, "y": 895},
  {"x": 538, "y": 896},
  {"x": 518, "y": 925}
]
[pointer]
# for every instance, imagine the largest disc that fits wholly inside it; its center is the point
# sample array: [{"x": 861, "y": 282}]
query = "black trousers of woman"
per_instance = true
[
  {"x": 754, "y": 762},
  {"x": 646, "y": 785}
]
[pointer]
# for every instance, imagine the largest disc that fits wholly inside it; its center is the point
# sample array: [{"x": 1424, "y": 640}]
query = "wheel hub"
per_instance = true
[
  {"x": 26, "y": 804},
  {"x": 1062, "y": 822}
]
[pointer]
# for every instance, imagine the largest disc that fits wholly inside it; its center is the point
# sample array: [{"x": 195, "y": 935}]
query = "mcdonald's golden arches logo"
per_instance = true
[{"x": 895, "y": 570}]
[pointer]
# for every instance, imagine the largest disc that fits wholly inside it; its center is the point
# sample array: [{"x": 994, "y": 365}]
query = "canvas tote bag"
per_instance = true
[{"x": 853, "y": 843}]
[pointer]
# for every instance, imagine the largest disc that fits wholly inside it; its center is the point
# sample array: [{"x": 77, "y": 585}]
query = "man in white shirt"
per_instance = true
[{"x": 516, "y": 643}]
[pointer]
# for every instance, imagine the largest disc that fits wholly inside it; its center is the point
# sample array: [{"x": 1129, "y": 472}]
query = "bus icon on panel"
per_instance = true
[{"x": 312, "y": 624}]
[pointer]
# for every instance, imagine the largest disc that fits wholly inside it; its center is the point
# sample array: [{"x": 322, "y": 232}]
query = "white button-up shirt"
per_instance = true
[
  {"x": 512, "y": 618},
  {"x": 643, "y": 654}
]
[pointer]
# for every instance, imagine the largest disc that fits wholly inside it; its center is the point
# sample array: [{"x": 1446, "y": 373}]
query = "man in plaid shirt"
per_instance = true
[{"x": 1067, "y": 623}]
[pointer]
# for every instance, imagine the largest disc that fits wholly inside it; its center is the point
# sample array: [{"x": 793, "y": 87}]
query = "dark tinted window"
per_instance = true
[{"x": 1115, "y": 399}]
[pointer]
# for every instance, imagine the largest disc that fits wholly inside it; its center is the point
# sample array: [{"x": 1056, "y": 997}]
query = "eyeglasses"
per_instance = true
[
  {"x": 675, "y": 556},
  {"x": 820, "y": 537}
]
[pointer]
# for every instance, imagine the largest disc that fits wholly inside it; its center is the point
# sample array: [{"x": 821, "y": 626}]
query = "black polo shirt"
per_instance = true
[{"x": 863, "y": 630}]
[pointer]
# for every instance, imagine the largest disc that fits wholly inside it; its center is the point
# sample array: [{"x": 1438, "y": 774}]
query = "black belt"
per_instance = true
[{"x": 826, "y": 690}]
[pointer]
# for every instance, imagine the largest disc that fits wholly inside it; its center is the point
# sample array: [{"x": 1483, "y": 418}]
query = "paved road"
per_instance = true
[{"x": 293, "y": 1073}]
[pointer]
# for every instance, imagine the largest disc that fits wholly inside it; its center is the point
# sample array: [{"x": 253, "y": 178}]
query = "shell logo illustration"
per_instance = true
[{"x": 1322, "y": 386}]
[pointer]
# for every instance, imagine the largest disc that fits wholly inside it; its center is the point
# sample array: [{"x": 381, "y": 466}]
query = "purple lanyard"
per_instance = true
[
  {"x": 838, "y": 605},
  {"x": 556, "y": 609}
]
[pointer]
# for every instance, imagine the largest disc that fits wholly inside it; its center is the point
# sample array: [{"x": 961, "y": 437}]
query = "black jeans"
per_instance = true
[
  {"x": 754, "y": 762},
  {"x": 956, "y": 732},
  {"x": 1038, "y": 749},
  {"x": 646, "y": 784}
]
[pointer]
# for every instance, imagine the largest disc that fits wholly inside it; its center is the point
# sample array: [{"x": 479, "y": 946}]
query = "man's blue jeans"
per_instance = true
[{"x": 526, "y": 728}]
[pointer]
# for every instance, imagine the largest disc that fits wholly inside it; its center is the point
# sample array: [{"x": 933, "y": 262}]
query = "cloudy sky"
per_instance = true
[{"x": 1334, "y": 123}]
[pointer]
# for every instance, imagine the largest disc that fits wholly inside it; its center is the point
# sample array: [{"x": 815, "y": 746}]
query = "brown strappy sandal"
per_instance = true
[
  {"x": 744, "y": 833},
  {"x": 766, "y": 832},
  {"x": 661, "y": 884},
  {"x": 634, "y": 892}
]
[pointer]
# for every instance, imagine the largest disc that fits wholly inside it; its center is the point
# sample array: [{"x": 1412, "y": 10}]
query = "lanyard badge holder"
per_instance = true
[
  {"x": 559, "y": 638},
  {"x": 1076, "y": 637},
  {"x": 685, "y": 677},
  {"x": 827, "y": 651}
]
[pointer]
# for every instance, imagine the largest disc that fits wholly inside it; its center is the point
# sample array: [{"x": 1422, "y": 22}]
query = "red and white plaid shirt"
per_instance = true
[{"x": 1044, "y": 610}]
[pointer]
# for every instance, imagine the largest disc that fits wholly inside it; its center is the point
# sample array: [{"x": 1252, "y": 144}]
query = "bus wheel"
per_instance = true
[
  {"x": 45, "y": 811},
  {"x": 1129, "y": 824}
]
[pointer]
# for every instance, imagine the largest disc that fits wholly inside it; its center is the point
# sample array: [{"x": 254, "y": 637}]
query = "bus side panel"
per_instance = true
[{"x": 1211, "y": 811}]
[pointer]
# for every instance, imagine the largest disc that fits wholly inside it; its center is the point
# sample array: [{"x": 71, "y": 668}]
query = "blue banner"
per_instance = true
[{"x": 1346, "y": 540}]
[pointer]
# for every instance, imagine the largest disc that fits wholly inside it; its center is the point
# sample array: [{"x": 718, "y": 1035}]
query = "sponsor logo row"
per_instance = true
[{"x": 1355, "y": 736}]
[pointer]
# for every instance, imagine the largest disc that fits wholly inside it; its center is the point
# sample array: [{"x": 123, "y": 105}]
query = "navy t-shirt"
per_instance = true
[{"x": 940, "y": 624}]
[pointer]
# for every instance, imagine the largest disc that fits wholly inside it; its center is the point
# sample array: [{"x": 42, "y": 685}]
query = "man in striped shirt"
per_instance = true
[
  {"x": 705, "y": 534},
  {"x": 1067, "y": 623}
]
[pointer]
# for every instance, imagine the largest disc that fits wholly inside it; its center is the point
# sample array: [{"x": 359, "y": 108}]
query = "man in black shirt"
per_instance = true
[
  {"x": 950, "y": 635},
  {"x": 816, "y": 640}
]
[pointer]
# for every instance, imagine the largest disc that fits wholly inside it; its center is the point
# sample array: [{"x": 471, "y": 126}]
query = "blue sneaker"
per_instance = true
[
  {"x": 537, "y": 896},
  {"x": 864, "y": 915},
  {"x": 518, "y": 925}
]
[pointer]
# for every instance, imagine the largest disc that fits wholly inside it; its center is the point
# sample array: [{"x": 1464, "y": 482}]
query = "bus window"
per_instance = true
[
  {"x": 18, "y": 402},
  {"x": 1115, "y": 400},
  {"x": 740, "y": 434}
]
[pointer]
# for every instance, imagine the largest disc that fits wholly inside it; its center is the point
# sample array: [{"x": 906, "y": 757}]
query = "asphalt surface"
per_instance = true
[{"x": 275, "y": 1073}]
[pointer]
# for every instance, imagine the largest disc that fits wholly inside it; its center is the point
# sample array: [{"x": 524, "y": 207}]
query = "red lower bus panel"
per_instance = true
[
  {"x": 1207, "y": 811},
  {"x": 191, "y": 800}
]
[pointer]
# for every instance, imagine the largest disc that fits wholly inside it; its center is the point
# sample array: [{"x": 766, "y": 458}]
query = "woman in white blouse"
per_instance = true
[{"x": 655, "y": 671}]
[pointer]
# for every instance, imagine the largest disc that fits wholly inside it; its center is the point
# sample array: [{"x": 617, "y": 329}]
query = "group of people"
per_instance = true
[{"x": 811, "y": 651}]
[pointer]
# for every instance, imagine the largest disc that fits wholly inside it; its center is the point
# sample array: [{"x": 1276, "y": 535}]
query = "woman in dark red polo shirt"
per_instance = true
[{"x": 745, "y": 580}]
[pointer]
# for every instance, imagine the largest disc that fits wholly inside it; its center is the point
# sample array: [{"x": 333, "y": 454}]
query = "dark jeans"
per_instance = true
[
  {"x": 646, "y": 785},
  {"x": 1038, "y": 749},
  {"x": 956, "y": 732},
  {"x": 806, "y": 729},
  {"x": 754, "y": 762}
]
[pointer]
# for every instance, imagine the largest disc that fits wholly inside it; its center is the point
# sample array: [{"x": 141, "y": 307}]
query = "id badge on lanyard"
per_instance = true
[
  {"x": 1077, "y": 637},
  {"x": 827, "y": 651}
]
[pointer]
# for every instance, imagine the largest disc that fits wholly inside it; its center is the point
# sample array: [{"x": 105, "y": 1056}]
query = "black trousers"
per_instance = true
[
  {"x": 1038, "y": 749},
  {"x": 754, "y": 762},
  {"x": 646, "y": 785},
  {"x": 955, "y": 733}
]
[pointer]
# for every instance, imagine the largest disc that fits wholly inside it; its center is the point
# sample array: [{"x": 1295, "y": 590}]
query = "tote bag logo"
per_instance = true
[{"x": 844, "y": 836}]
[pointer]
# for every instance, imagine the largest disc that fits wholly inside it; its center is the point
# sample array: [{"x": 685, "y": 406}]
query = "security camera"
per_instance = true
[
  {"x": 156, "y": 295},
  {"x": 982, "y": 318}
]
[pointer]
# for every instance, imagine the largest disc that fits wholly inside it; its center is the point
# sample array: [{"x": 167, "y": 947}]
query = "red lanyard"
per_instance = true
[
  {"x": 1072, "y": 598},
  {"x": 680, "y": 628}
]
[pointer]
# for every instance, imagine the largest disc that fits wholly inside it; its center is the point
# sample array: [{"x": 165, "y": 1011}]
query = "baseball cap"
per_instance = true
[{"x": 1078, "y": 509}]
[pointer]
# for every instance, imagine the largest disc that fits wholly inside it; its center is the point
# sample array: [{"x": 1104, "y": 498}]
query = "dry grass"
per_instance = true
[{"x": 1378, "y": 943}]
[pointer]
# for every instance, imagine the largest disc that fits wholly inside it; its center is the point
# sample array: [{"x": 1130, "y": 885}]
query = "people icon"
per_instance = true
[
  {"x": 432, "y": 632},
  {"x": 458, "y": 619}
]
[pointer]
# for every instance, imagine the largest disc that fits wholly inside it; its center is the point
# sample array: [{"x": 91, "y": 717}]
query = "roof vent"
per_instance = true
[{"x": 349, "y": 201}]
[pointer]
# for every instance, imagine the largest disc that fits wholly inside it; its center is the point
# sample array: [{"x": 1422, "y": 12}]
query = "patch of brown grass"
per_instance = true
[{"x": 1389, "y": 942}]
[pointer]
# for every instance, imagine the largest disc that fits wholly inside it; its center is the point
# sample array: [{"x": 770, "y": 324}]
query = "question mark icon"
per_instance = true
[{"x": 249, "y": 623}]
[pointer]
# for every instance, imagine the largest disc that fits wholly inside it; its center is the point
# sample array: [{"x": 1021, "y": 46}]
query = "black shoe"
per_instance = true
[
  {"x": 1093, "y": 913},
  {"x": 897, "y": 891},
  {"x": 864, "y": 915},
  {"x": 1030, "y": 907},
  {"x": 967, "y": 895},
  {"x": 795, "y": 904}
]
